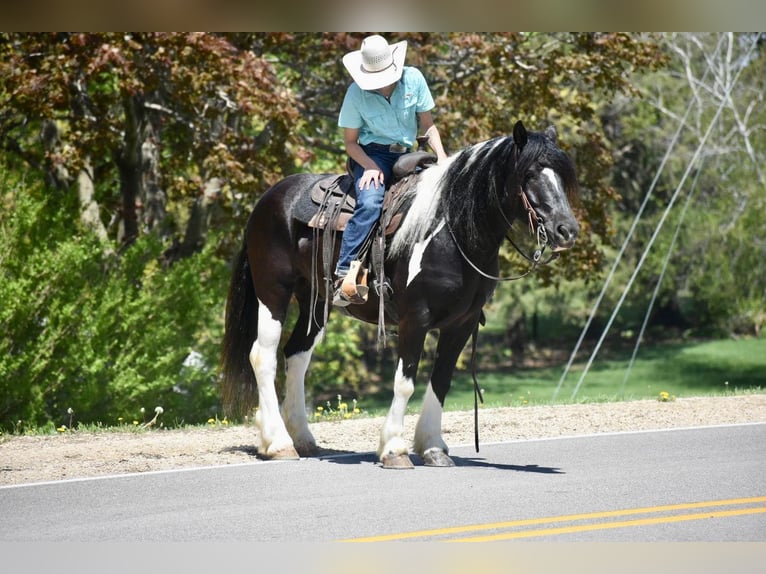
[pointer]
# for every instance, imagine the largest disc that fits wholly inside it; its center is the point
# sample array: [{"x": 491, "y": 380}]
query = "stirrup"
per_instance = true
[
  {"x": 338, "y": 298},
  {"x": 348, "y": 291}
]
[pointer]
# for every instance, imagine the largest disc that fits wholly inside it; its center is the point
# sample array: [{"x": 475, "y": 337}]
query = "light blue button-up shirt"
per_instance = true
[{"x": 379, "y": 121}]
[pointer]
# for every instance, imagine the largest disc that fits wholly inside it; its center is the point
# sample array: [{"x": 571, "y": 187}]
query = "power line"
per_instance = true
[
  {"x": 694, "y": 159},
  {"x": 659, "y": 282},
  {"x": 628, "y": 237}
]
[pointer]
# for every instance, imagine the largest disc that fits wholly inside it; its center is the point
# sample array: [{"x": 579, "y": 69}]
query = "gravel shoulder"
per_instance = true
[{"x": 27, "y": 459}]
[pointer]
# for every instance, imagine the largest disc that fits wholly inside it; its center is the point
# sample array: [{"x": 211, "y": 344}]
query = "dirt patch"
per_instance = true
[{"x": 25, "y": 459}]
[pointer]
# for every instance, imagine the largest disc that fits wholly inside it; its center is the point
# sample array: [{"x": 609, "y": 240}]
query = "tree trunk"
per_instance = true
[
  {"x": 89, "y": 211},
  {"x": 154, "y": 201},
  {"x": 199, "y": 220},
  {"x": 202, "y": 212},
  {"x": 56, "y": 175},
  {"x": 129, "y": 164}
]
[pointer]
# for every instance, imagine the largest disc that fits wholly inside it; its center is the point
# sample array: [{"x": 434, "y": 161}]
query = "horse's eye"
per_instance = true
[{"x": 528, "y": 178}]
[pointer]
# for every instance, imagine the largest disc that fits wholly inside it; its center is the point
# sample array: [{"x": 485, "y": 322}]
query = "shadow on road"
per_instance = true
[
  {"x": 482, "y": 463},
  {"x": 349, "y": 457},
  {"x": 345, "y": 457}
]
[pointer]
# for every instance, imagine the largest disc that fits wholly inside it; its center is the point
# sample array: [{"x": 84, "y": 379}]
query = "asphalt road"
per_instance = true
[{"x": 705, "y": 484}]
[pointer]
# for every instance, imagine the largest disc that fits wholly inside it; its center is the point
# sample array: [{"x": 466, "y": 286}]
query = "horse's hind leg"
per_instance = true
[
  {"x": 275, "y": 441},
  {"x": 306, "y": 334}
]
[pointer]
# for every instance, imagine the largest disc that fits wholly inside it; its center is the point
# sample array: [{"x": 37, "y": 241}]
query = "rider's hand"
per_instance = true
[{"x": 369, "y": 177}]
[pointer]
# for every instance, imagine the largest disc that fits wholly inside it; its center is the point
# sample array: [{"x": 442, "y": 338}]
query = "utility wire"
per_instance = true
[
  {"x": 632, "y": 229},
  {"x": 659, "y": 282},
  {"x": 694, "y": 159},
  {"x": 624, "y": 245}
]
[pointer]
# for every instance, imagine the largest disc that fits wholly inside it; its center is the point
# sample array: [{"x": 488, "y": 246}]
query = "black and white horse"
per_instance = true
[{"x": 441, "y": 263}]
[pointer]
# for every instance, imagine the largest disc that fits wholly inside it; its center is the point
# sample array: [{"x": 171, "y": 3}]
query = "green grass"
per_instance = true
[{"x": 712, "y": 368}]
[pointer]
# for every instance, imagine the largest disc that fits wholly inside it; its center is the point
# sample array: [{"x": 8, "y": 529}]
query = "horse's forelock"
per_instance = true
[{"x": 552, "y": 156}]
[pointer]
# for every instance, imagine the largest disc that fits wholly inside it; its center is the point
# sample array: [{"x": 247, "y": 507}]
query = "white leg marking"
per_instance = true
[
  {"x": 414, "y": 267},
  {"x": 391, "y": 439},
  {"x": 294, "y": 406},
  {"x": 428, "y": 432},
  {"x": 263, "y": 358}
]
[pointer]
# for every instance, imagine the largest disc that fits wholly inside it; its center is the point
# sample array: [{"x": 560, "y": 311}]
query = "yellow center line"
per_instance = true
[
  {"x": 610, "y": 525},
  {"x": 568, "y": 518}
]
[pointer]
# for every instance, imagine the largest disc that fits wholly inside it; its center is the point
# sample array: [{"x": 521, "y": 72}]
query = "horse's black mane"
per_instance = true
[{"x": 480, "y": 178}]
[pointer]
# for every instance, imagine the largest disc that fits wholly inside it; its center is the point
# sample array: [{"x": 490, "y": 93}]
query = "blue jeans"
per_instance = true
[{"x": 369, "y": 203}]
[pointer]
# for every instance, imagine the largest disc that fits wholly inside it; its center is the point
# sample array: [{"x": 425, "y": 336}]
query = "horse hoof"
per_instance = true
[
  {"x": 437, "y": 457},
  {"x": 286, "y": 453},
  {"x": 307, "y": 450},
  {"x": 397, "y": 461}
]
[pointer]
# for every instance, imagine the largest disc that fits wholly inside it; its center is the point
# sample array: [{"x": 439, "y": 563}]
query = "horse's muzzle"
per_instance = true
[{"x": 565, "y": 235}]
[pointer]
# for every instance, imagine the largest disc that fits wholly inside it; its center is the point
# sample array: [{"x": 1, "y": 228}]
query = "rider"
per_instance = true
[{"x": 380, "y": 117}]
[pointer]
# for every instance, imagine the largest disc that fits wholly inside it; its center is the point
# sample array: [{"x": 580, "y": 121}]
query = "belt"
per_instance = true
[{"x": 393, "y": 148}]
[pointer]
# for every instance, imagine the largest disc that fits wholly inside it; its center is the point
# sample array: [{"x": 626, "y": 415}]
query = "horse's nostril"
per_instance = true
[{"x": 566, "y": 234}]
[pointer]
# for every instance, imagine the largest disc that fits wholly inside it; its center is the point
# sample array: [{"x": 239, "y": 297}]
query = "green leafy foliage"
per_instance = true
[
  {"x": 337, "y": 362},
  {"x": 102, "y": 335},
  {"x": 715, "y": 284},
  {"x": 131, "y": 162}
]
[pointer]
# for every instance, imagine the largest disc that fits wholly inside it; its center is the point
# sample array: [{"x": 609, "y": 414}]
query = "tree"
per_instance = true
[
  {"x": 146, "y": 121},
  {"x": 176, "y": 117},
  {"x": 109, "y": 281},
  {"x": 715, "y": 282},
  {"x": 153, "y": 147},
  {"x": 482, "y": 84}
]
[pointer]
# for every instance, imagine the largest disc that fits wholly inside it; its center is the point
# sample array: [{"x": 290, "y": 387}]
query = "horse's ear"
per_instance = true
[
  {"x": 551, "y": 134},
  {"x": 519, "y": 135}
]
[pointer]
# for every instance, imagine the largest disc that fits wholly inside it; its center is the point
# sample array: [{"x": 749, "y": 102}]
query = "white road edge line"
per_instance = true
[{"x": 362, "y": 454}]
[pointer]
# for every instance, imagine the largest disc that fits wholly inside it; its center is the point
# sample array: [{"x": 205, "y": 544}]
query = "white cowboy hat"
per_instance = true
[{"x": 376, "y": 64}]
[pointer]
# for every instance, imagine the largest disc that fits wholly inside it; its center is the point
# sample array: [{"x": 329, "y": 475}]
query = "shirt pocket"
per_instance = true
[
  {"x": 406, "y": 114},
  {"x": 382, "y": 123}
]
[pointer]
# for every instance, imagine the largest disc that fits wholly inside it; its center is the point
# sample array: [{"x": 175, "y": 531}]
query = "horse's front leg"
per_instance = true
[
  {"x": 429, "y": 443},
  {"x": 394, "y": 449}
]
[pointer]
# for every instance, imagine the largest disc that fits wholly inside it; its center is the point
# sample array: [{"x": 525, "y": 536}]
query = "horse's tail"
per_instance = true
[{"x": 238, "y": 387}]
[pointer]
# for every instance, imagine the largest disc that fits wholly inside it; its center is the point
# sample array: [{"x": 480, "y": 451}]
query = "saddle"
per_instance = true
[{"x": 335, "y": 196}]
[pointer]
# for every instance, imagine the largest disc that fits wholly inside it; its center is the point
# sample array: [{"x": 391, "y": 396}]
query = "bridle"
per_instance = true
[{"x": 536, "y": 228}]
